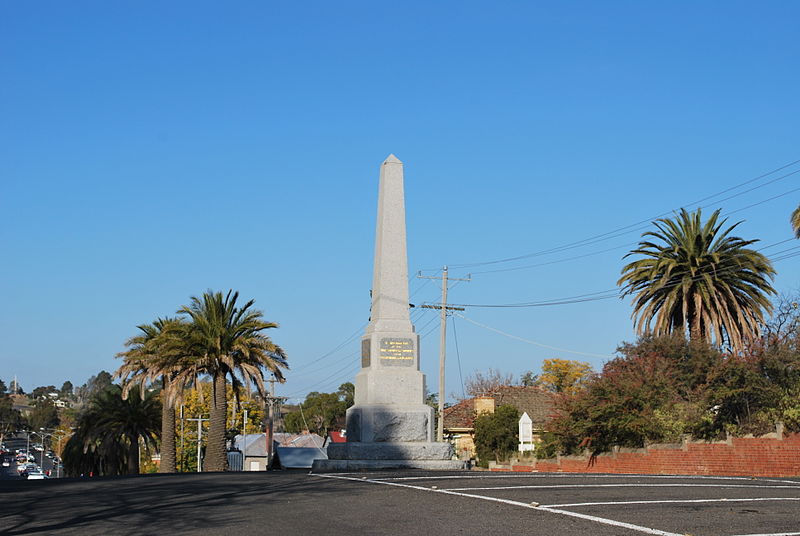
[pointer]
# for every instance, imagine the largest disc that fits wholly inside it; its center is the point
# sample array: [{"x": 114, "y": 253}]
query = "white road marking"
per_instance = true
[
  {"x": 773, "y": 534},
  {"x": 670, "y": 501},
  {"x": 665, "y": 485},
  {"x": 605, "y": 521},
  {"x": 637, "y": 528},
  {"x": 581, "y": 475}
]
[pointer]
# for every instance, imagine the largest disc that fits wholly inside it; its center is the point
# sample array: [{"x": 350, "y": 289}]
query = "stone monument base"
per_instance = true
[
  {"x": 322, "y": 466},
  {"x": 381, "y": 436},
  {"x": 398, "y": 455}
]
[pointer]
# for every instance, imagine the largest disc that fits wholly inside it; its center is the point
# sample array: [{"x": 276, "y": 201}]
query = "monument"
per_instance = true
[{"x": 389, "y": 426}]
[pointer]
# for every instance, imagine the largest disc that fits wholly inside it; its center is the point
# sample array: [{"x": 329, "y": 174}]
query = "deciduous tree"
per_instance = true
[
  {"x": 564, "y": 375},
  {"x": 484, "y": 383}
]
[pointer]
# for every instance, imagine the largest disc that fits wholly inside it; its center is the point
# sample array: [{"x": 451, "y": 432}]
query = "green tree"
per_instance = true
[
  {"x": 528, "y": 379},
  {"x": 44, "y": 414},
  {"x": 94, "y": 385},
  {"x": 227, "y": 341},
  {"x": 496, "y": 434},
  {"x": 43, "y": 391},
  {"x": 795, "y": 220},
  {"x": 67, "y": 389},
  {"x": 695, "y": 277},
  {"x": 321, "y": 412},
  {"x": 10, "y": 418}
]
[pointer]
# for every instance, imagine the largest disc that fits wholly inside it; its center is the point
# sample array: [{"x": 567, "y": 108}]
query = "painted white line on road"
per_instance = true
[
  {"x": 637, "y": 528},
  {"x": 773, "y": 534},
  {"x": 664, "y": 485},
  {"x": 605, "y": 521},
  {"x": 668, "y": 501},
  {"x": 581, "y": 475}
]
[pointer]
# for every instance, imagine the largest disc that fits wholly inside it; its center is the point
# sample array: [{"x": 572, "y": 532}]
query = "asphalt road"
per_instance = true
[
  {"x": 41, "y": 460},
  {"x": 401, "y": 503}
]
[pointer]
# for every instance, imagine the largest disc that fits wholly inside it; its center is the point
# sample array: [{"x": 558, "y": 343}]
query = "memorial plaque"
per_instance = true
[
  {"x": 365, "y": 352},
  {"x": 395, "y": 352}
]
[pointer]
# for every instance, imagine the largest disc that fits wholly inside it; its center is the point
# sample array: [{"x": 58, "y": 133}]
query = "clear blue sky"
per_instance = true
[{"x": 152, "y": 150}]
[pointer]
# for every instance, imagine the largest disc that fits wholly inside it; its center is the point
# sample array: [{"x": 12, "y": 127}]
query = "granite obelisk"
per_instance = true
[{"x": 390, "y": 426}]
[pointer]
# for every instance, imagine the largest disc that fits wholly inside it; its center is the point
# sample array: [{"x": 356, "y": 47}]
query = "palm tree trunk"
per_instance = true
[
  {"x": 167, "y": 434},
  {"x": 216, "y": 457},
  {"x": 133, "y": 455}
]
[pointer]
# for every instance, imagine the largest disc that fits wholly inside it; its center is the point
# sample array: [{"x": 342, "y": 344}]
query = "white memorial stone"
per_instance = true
[
  {"x": 390, "y": 426},
  {"x": 525, "y": 433}
]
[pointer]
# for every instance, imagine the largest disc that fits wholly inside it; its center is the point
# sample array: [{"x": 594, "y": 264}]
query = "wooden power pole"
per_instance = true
[{"x": 442, "y": 343}]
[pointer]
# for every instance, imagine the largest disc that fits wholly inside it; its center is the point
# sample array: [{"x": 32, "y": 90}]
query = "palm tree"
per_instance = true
[
  {"x": 158, "y": 353},
  {"x": 106, "y": 440},
  {"x": 227, "y": 341},
  {"x": 698, "y": 278},
  {"x": 796, "y": 222}
]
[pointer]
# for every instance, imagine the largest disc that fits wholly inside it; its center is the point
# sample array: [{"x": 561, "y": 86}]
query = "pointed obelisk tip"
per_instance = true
[{"x": 392, "y": 159}]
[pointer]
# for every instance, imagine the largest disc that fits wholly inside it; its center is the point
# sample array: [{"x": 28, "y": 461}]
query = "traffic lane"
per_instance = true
[
  {"x": 708, "y": 506},
  {"x": 286, "y": 502},
  {"x": 9, "y": 472},
  {"x": 599, "y": 492}
]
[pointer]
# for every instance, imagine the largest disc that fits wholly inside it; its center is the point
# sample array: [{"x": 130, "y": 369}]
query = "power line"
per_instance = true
[
  {"x": 458, "y": 356},
  {"x": 629, "y": 244},
  {"x": 614, "y": 293},
  {"x": 592, "y": 254},
  {"x": 530, "y": 341},
  {"x": 336, "y": 349},
  {"x": 628, "y": 228}
]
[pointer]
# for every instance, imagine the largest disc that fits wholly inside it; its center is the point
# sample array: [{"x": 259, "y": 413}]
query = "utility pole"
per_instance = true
[
  {"x": 244, "y": 437},
  {"x": 200, "y": 421},
  {"x": 183, "y": 436},
  {"x": 270, "y": 421},
  {"x": 442, "y": 342}
]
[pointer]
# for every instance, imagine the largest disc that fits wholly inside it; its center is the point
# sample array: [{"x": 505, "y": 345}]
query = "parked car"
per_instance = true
[{"x": 37, "y": 476}]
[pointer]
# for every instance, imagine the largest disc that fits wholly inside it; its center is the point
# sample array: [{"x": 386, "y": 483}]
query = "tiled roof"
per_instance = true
[
  {"x": 460, "y": 415},
  {"x": 534, "y": 401}
]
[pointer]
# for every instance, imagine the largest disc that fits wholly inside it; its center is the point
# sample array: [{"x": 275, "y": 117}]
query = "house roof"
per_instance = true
[
  {"x": 534, "y": 401},
  {"x": 460, "y": 415}
]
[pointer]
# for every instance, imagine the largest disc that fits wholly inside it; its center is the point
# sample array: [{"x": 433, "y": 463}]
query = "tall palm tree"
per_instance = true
[
  {"x": 227, "y": 341},
  {"x": 796, "y": 222},
  {"x": 158, "y": 353},
  {"x": 700, "y": 279}
]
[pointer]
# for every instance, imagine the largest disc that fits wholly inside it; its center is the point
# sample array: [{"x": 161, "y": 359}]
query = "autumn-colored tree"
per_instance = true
[
  {"x": 197, "y": 403},
  {"x": 653, "y": 392},
  {"x": 564, "y": 375}
]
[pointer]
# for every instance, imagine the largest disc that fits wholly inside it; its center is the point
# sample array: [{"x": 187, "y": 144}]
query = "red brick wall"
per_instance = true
[{"x": 761, "y": 456}]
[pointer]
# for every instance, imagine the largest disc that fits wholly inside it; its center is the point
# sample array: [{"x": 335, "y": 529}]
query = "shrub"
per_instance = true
[{"x": 496, "y": 434}]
